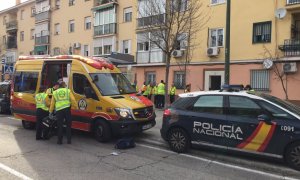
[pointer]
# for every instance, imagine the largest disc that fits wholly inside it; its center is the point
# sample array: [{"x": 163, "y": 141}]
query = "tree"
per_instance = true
[
  {"x": 171, "y": 25},
  {"x": 279, "y": 74}
]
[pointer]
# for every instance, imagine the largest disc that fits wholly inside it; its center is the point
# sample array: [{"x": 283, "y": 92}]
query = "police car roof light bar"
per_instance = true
[{"x": 232, "y": 88}]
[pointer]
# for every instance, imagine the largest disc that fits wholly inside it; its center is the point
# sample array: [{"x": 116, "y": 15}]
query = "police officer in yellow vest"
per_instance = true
[
  {"x": 172, "y": 93},
  {"x": 42, "y": 103},
  {"x": 62, "y": 100},
  {"x": 161, "y": 94}
]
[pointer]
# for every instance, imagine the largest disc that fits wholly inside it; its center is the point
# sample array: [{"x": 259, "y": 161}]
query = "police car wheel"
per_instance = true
[
  {"x": 102, "y": 131},
  {"x": 178, "y": 139},
  {"x": 292, "y": 155},
  {"x": 28, "y": 125}
]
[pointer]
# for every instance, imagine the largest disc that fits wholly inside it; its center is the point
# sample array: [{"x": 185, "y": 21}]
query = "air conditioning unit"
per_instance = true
[
  {"x": 77, "y": 45},
  {"x": 213, "y": 51},
  {"x": 177, "y": 53},
  {"x": 289, "y": 67}
]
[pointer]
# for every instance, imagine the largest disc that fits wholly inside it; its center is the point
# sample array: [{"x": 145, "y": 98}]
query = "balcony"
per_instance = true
[
  {"x": 154, "y": 56},
  {"x": 291, "y": 47},
  {"x": 292, "y": 5},
  {"x": 290, "y": 2},
  {"x": 104, "y": 3},
  {"x": 42, "y": 16},
  {"x": 41, "y": 40},
  {"x": 11, "y": 42},
  {"x": 151, "y": 21},
  {"x": 105, "y": 29},
  {"x": 12, "y": 26}
]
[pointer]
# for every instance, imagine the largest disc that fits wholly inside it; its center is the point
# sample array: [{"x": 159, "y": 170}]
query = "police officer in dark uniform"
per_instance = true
[{"x": 62, "y": 100}]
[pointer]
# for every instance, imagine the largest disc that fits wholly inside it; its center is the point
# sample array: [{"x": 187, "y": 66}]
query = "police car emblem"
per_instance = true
[{"x": 82, "y": 104}]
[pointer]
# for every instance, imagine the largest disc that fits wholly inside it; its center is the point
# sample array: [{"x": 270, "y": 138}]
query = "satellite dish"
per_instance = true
[{"x": 280, "y": 13}]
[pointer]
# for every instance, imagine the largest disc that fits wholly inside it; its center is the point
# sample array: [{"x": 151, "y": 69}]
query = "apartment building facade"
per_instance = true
[{"x": 101, "y": 27}]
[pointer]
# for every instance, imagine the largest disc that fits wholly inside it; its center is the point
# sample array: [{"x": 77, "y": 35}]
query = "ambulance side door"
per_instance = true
[
  {"x": 86, "y": 106},
  {"x": 25, "y": 88}
]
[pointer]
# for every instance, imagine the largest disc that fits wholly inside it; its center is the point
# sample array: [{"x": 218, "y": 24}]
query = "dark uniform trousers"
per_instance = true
[
  {"x": 40, "y": 115},
  {"x": 61, "y": 115},
  {"x": 172, "y": 98}
]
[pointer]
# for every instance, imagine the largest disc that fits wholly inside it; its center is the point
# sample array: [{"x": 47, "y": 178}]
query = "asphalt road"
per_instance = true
[{"x": 22, "y": 157}]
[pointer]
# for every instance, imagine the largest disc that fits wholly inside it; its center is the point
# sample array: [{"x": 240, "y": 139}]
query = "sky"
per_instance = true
[{"x": 4, "y": 4}]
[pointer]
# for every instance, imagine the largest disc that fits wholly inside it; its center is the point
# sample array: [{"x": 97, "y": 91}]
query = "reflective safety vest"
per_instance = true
[
  {"x": 40, "y": 101},
  {"x": 154, "y": 90},
  {"x": 144, "y": 88},
  {"x": 161, "y": 89},
  {"x": 62, "y": 98},
  {"x": 173, "y": 90},
  {"x": 148, "y": 90}
]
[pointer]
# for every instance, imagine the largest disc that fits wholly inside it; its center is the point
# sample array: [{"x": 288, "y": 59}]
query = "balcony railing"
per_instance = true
[
  {"x": 105, "y": 29},
  {"x": 154, "y": 56},
  {"x": 291, "y": 47},
  {"x": 290, "y": 2},
  {"x": 12, "y": 25},
  {"x": 11, "y": 42},
  {"x": 103, "y": 2},
  {"x": 42, "y": 16},
  {"x": 151, "y": 20},
  {"x": 41, "y": 40}
]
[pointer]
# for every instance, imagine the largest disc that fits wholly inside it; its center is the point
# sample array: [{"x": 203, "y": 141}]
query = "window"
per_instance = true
[
  {"x": 56, "y": 51},
  {"x": 86, "y": 50},
  {"x": 105, "y": 22},
  {"x": 4, "y": 40},
  {"x": 126, "y": 46},
  {"x": 87, "y": 23},
  {"x": 26, "y": 82},
  {"x": 243, "y": 107},
  {"x": 260, "y": 80},
  {"x": 216, "y": 37},
  {"x": 107, "y": 49},
  {"x": 179, "y": 79},
  {"x": 80, "y": 82},
  {"x": 22, "y": 15},
  {"x": 57, "y": 29},
  {"x": 31, "y": 33},
  {"x": 275, "y": 111},
  {"x": 217, "y": 1},
  {"x": 4, "y": 20},
  {"x": 143, "y": 46},
  {"x": 179, "y": 5},
  {"x": 71, "y": 26},
  {"x": 209, "y": 104},
  {"x": 57, "y": 4},
  {"x": 181, "y": 42},
  {"x": 262, "y": 32},
  {"x": 22, "y": 36},
  {"x": 71, "y": 2},
  {"x": 150, "y": 77},
  {"x": 128, "y": 14},
  {"x": 97, "y": 50},
  {"x": 33, "y": 11}
]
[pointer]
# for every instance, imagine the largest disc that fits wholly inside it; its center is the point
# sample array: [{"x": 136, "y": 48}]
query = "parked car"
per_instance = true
[
  {"x": 4, "y": 97},
  {"x": 244, "y": 121}
]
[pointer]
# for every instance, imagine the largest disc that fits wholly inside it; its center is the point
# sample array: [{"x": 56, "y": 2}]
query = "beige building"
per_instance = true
[{"x": 100, "y": 27}]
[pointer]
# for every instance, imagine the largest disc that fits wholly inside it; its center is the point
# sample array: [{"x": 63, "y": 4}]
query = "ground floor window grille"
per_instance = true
[{"x": 260, "y": 80}]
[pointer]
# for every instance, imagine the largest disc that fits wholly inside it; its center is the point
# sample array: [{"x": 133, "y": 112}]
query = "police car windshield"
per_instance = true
[
  {"x": 285, "y": 104},
  {"x": 112, "y": 84}
]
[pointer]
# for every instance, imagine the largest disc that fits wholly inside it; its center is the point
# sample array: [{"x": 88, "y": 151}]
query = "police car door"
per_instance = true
[
  {"x": 87, "y": 106},
  {"x": 208, "y": 120},
  {"x": 246, "y": 132}
]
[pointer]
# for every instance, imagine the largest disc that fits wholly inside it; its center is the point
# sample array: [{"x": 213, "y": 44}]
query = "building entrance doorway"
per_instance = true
[{"x": 213, "y": 80}]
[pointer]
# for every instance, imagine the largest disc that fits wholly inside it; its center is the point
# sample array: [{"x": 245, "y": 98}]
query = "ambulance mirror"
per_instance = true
[
  {"x": 265, "y": 118},
  {"x": 88, "y": 92}
]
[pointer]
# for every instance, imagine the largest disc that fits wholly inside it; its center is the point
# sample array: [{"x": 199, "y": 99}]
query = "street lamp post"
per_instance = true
[{"x": 227, "y": 44}]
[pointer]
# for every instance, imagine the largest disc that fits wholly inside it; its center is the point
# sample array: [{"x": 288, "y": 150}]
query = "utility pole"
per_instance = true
[{"x": 227, "y": 45}]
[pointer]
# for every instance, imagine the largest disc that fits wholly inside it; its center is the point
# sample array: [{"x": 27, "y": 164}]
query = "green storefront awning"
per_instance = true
[
  {"x": 105, "y": 6},
  {"x": 40, "y": 48}
]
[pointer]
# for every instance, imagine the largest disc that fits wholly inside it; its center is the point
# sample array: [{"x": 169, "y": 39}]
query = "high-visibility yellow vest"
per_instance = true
[
  {"x": 62, "y": 98},
  {"x": 144, "y": 88},
  {"x": 40, "y": 101},
  {"x": 161, "y": 89},
  {"x": 148, "y": 90},
  {"x": 173, "y": 90},
  {"x": 154, "y": 90}
]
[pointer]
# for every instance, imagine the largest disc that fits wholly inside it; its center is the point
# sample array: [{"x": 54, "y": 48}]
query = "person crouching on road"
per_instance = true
[
  {"x": 42, "y": 110},
  {"x": 62, "y": 100}
]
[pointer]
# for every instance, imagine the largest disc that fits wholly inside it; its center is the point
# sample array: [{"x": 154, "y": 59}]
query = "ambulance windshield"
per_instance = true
[{"x": 112, "y": 84}]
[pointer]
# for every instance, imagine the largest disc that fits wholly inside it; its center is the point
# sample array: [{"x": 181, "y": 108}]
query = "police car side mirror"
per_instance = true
[
  {"x": 265, "y": 118},
  {"x": 88, "y": 92}
]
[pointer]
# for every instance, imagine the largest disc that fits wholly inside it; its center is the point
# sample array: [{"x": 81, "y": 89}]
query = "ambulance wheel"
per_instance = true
[
  {"x": 179, "y": 141},
  {"x": 28, "y": 124},
  {"x": 102, "y": 131},
  {"x": 292, "y": 155}
]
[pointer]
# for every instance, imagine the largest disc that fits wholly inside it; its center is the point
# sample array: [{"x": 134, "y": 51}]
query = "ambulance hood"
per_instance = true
[{"x": 132, "y": 101}]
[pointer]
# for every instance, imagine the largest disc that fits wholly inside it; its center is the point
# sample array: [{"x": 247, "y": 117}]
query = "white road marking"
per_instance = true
[
  {"x": 153, "y": 141},
  {"x": 222, "y": 164},
  {"x": 14, "y": 172},
  {"x": 12, "y": 118}
]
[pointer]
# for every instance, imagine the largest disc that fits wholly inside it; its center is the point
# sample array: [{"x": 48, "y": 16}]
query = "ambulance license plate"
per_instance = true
[{"x": 147, "y": 126}]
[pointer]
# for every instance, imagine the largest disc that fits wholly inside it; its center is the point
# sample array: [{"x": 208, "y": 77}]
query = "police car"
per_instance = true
[{"x": 243, "y": 121}]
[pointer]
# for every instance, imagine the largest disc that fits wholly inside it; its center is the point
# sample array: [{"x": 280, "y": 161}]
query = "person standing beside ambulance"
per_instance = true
[
  {"x": 42, "y": 110},
  {"x": 62, "y": 100}
]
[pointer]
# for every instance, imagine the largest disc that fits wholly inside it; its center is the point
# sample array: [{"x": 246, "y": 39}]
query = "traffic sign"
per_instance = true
[{"x": 8, "y": 69}]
